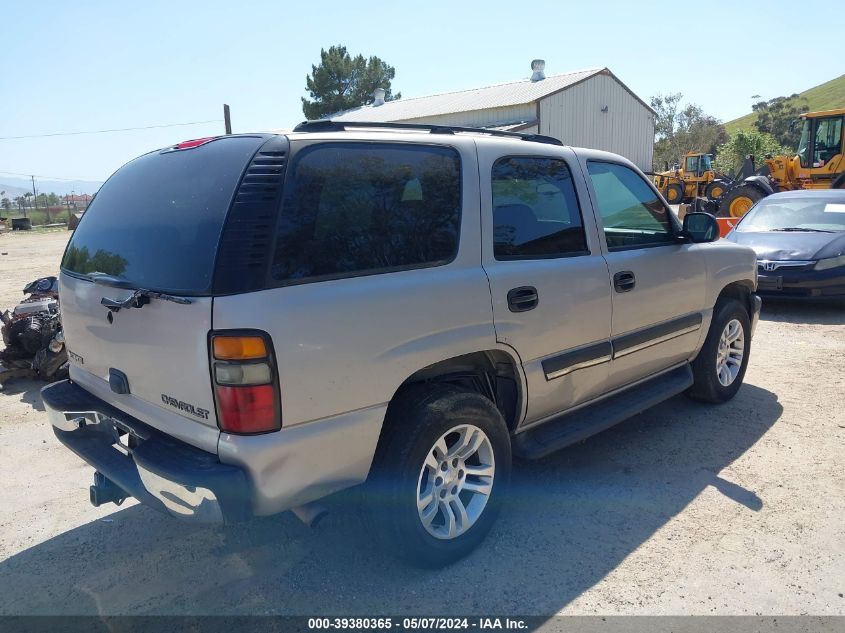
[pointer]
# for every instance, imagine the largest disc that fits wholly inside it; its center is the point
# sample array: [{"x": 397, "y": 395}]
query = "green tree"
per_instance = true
[
  {"x": 341, "y": 82},
  {"x": 775, "y": 117},
  {"x": 730, "y": 155},
  {"x": 680, "y": 130},
  {"x": 666, "y": 107},
  {"x": 6, "y": 204},
  {"x": 20, "y": 201},
  {"x": 53, "y": 199}
]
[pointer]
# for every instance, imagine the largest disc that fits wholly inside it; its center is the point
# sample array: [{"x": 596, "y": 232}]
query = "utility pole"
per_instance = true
[
  {"x": 34, "y": 195},
  {"x": 227, "y": 120}
]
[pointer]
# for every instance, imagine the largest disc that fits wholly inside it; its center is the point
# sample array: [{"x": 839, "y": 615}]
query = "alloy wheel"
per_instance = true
[
  {"x": 455, "y": 482},
  {"x": 730, "y": 353}
]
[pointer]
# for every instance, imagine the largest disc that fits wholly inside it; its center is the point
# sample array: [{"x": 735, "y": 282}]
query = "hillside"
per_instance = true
[{"x": 827, "y": 96}]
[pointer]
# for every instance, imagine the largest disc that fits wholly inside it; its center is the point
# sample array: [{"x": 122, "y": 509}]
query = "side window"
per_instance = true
[
  {"x": 632, "y": 213},
  {"x": 535, "y": 210},
  {"x": 828, "y": 140},
  {"x": 364, "y": 208},
  {"x": 692, "y": 164}
]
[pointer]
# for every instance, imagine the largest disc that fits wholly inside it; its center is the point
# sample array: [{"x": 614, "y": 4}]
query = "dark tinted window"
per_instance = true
[
  {"x": 358, "y": 208},
  {"x": 828, "y": 140},
  {"x": 632, "y": 213},
  {"x": 157, "y": 221},
  {"x": 535, "y": 210}
]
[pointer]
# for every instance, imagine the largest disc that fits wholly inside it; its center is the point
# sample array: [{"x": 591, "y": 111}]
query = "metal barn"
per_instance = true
[{"x": 585, "y": 108}]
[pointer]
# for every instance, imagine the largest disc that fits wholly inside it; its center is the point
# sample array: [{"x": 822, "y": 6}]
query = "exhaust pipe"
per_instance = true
[{"x": 310, "y": 513}]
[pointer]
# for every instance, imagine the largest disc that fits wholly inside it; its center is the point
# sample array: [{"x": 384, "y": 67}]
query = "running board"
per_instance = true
[{"x": 578, "y": 425}]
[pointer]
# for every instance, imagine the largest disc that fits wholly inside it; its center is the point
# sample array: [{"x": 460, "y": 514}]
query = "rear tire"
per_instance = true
[
  {"x": 719, "y": 368},
  {"x": 440, "y": 474},
  {"x": 738, "y": 200}
]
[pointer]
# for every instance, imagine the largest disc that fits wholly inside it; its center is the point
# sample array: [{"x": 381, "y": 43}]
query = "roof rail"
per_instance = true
[{"x": 327, "y": 125}]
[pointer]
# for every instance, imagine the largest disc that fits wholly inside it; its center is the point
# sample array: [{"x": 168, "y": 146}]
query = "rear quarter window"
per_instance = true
[{"x": 354, "y": 209}]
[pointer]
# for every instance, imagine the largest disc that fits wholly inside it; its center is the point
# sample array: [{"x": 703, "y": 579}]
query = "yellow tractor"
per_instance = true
[
  {"x": 694, "y": 178},
  {"x": 819, "y": 164}
]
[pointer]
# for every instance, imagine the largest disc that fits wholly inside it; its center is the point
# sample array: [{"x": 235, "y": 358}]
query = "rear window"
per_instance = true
[
  {"x": 363, "y": 208},
  {"x": 156, "y": 222}
]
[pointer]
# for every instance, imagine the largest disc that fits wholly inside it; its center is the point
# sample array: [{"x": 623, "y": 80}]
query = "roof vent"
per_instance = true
[
  {"x": 378, "y": 97},
  {"x": 537, "y": 68}
]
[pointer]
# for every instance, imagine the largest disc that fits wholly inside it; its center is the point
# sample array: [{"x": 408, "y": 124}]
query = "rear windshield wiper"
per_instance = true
[
  {"x": 798, "y": 229},
  {"x": 139, "y": 299}
]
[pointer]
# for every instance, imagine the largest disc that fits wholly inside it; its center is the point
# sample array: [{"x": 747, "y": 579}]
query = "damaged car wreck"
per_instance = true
[{"x": 32, "y": 334}]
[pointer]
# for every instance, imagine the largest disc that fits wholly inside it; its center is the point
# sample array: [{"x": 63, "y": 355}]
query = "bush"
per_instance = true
[
  {"x": 730, "y": 155},
  {"x": 39, "y": 216}
]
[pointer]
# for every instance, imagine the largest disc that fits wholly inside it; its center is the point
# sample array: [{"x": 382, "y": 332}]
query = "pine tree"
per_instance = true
[{"x": 342, "y": 82}]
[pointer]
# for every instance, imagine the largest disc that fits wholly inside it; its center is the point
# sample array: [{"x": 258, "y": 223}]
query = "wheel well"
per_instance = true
[
  {"x": 740, "y": 290},
  {"x": 492, "y": 373}
]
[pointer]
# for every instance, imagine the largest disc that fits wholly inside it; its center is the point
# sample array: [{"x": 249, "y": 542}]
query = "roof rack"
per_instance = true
[{"x": 327, "y": 125}]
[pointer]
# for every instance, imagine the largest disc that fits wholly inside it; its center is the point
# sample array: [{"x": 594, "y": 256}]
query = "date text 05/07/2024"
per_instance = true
[{"x": 417, "y": 623}]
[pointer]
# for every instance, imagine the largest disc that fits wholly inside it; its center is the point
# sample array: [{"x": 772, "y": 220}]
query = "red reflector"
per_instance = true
[
  {"x": 247, "y": 409},
  {"x": 195, "y": 142}
]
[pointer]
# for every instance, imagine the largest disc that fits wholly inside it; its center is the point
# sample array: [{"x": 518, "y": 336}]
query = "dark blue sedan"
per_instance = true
[{"x": 799, "y": 238}]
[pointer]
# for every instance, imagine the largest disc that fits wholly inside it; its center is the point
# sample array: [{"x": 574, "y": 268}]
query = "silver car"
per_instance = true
[{"x": 256, "y": 321}]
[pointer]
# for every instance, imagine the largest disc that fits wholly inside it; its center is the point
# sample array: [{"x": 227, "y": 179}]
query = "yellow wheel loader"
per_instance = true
[
  {"x": 693, "y": 178},
  {"x": 819, "y": 164}
]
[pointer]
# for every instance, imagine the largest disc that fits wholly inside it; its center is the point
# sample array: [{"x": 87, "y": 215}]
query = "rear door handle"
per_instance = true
[
  {"x": 624, "y": 281},
  {"x": 523, "y": 299}
]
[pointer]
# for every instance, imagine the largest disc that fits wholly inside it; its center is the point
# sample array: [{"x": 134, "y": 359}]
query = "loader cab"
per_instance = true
[
  {"x": 821, "y": 139},
  {"x": 697, "y": 166}
]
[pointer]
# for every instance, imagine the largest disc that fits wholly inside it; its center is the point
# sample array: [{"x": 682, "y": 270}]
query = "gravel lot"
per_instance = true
[{"x": 685, "y": 509}]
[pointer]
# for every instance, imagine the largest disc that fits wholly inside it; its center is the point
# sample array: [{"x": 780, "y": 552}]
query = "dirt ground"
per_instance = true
[{"x": 685, "y": 509}]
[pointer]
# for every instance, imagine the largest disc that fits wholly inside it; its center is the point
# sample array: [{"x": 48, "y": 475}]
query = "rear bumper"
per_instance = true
[
  {"x": 157, "y": 469},
  {"x": 251, "y": 475}
]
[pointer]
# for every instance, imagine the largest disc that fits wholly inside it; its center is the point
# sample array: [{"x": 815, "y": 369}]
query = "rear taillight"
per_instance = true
[{"x": 246, "y": 385}]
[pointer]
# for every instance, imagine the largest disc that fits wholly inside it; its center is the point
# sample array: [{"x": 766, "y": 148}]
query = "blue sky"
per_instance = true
[{"x": 70, "y": 66}]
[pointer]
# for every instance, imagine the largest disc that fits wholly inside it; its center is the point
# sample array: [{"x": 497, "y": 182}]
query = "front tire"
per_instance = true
[
  {"x": 674, "y": 194},
  {"x": 739, "y": 200},
  {"x": 440, "y": 474},
  {"x": 719, "y": 368}
]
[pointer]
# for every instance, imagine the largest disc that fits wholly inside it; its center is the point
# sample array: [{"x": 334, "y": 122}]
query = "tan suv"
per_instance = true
[{"x": 257, "y": 321}]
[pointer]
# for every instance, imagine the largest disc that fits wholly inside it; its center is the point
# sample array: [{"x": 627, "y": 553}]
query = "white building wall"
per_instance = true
[{"x": 575, "y": 117}]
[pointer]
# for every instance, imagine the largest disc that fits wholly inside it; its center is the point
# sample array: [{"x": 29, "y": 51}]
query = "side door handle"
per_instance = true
[
  {"x": 624, "y": 281},
  {"x": 523, "y": 299}
]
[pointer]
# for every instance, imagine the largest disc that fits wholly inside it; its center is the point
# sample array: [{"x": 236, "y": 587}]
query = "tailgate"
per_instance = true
[
  {"x": 161, "y": 349},
  {"x": 155, "y": 224}
]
